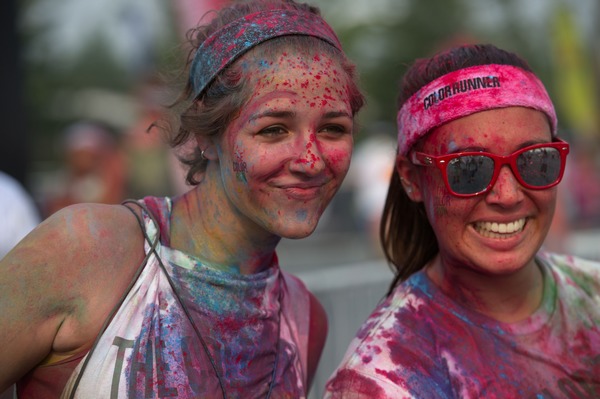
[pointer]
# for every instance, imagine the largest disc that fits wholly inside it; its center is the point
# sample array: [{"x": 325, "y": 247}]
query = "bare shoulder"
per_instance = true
[
  {"x": 59, "y": 283},
  {"x": 82, "y": 240}
]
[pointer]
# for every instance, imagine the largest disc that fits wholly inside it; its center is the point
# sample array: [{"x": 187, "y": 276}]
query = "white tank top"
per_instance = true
[{"x": 151, "y": 347}]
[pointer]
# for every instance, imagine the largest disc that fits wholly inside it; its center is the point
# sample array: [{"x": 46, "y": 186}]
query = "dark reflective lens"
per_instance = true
[
  {"x": 470, "y": 173},
  {"x": 539, "y": 167}
]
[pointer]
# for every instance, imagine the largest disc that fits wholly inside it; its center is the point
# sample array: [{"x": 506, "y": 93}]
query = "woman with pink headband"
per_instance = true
[
  {"x": 183, "y": 297},
  {"x": 476, "y": 308}
]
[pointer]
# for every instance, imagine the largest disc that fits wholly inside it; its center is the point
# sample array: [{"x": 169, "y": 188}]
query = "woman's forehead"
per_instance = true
[{"x": 490, "y": 129}]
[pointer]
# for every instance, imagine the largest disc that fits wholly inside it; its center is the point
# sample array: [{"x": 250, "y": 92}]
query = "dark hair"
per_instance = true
[
  {"x": 406, "y": 235},
  {"x": 219, "y": 104}
]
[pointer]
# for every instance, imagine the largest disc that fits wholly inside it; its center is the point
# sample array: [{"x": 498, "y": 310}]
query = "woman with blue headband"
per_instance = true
[
  {"x": 476, "y": 308},
  {"x": 183, "y": 297}
]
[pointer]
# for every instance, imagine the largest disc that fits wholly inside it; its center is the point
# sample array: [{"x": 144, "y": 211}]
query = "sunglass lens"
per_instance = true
[
  {"x": 470, "y": 174},
  {"x": 539, "y": 167}
]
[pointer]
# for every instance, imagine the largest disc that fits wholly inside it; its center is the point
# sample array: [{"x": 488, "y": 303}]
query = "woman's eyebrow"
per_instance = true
[
  {"x": 337, "y": 114},
  {"x": 273, "y": 114}
]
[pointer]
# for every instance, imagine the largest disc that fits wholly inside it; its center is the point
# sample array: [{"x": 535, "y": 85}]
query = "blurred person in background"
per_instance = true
[
  {"x": 18, "y": 213},
  {"x": 183, "y": 297},
  {"x": 576, "y": 223},
  {"x": 476, "y": 310},
  {"x": 370, "y": 173},
  {"x": 93, "y": 169},
  {"x": 150, "y": 166}
]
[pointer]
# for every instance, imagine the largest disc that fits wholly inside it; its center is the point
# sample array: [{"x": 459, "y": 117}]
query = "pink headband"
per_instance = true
[
  {"x": 467, "y": 91},
  {"x": 227, "y": 44}
]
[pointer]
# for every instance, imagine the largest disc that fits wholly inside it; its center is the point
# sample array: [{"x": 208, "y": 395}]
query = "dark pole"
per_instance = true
[{"x": 13, "y": 143}]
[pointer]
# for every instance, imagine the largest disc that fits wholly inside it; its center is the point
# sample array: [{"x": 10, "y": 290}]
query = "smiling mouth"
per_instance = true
[
  {"x": 302, "y": 192},
  {"x": 499, "y": 230}
]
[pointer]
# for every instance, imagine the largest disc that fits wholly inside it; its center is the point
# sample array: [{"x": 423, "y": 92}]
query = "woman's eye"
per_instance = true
[
  {"x": 272, "y": 131},
  {"x": 335, "y": 129}
]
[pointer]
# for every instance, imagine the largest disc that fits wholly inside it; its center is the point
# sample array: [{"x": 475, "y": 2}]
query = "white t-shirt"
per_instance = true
[{"x": 18, "y": 213}]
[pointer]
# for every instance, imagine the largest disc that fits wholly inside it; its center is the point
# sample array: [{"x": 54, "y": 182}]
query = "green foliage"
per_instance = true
[{"x": 383, "y": 47}]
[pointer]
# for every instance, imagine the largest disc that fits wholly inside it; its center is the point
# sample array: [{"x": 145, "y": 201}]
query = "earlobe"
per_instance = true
[
  {"x": 207, "y": 147},
  {"x": 409, "y": 178}
]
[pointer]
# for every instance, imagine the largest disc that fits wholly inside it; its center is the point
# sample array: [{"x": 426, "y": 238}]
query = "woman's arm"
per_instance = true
[
  {"x": 59, "y": 283},
  {"x": 317, "y": 336}
]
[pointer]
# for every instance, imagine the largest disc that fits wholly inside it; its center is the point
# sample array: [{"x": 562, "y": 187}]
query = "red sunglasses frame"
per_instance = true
[{"x": 441, "y": 161}]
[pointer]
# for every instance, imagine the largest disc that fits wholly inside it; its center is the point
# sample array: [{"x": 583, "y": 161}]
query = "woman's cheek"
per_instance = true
[
  {"x": 435, "y": 196},
  {"x": 339, "y": 158},
  {"x": 238, "y": 166}
]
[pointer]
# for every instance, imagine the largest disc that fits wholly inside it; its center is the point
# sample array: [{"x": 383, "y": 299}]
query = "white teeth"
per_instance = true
[{"x": 499, "y": 230}]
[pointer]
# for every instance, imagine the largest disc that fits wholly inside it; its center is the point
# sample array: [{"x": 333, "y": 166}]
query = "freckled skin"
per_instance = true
[{"x": 466, "y": 256}]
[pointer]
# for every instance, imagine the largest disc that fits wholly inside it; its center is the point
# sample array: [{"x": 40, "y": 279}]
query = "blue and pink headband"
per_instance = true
[
  {"x": 467, "y": 91},
  {"x": 231, "y": 41}
]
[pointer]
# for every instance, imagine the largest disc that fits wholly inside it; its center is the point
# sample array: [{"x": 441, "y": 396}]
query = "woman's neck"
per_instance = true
[
  {"x": 506, "y": 298},
  {"x": 210, "y": 230}
]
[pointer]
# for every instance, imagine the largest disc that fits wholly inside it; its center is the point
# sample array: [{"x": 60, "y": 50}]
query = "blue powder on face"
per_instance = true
[
  {"x": 301, "y": 215},
  {"x": 241, "y": 176}
]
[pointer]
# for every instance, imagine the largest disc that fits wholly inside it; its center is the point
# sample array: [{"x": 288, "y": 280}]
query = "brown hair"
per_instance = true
[
  {"x": 219, "y": 104},
  {"x": 406, "y": 235}
]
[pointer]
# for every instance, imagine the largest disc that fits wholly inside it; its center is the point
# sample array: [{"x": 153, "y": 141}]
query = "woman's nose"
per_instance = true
[
  {"x": 506, "y": 190},
  {"x": 309, "y": 159}
]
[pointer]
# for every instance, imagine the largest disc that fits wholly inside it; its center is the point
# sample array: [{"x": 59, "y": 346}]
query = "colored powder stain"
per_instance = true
[
  {"x": 240, "y": 176},
  {"x": 355, "y": 382},
  {"x": 312, "y": 105},
  {"x": 464, "y": 318},
  {"x": 338, "y": 157},
  {"x": 367, "y": 359},
  {"x": 301, "y": 215},
  {"x": 420, "y": 284},
  {"x": 389, "y": 375}
]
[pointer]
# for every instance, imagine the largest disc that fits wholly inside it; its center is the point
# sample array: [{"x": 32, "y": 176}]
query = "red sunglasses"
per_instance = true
[{"x": 472, "y": 173}]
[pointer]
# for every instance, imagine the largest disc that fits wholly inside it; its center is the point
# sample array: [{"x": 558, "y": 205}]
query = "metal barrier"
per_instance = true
[{"x": 349, "y": 294}]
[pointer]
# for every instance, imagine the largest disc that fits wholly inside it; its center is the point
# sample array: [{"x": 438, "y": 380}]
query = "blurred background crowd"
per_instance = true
[{"x": 83, "y": 80}]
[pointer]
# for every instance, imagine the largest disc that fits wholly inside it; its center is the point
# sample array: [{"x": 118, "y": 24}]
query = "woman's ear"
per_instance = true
[
  {"x": 207, "y": 147},
  {"x": 409, "y": 178}
]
